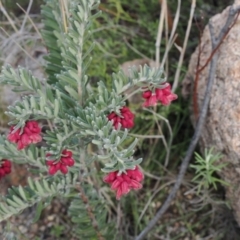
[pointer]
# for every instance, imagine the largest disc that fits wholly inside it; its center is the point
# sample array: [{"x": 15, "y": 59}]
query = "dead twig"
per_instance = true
[
  {"x": 213, "y": 63},
  {"x": 173, "y": 36},
  {"x": 30, "y": 19},
  {"x": 3, "y": 10},
  {"x": 183, "y": 49},
  {"x": 159, "y": 34}
]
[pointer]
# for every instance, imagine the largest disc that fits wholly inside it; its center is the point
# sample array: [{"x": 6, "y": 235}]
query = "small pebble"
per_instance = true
[{"x": 22, "y": 229}]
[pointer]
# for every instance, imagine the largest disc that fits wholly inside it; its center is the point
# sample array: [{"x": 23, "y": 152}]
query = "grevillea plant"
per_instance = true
[{"x": 58, "y": 120}]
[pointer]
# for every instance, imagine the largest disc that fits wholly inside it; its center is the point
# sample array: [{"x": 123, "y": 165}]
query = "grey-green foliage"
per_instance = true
[
  {"x": 21, "y": 80},
  {"x": 90, "y": 122},
  {"x": 33, "y": 156},
  {"x": 52, "y": 26},
  {"x": 76, "y": 113},
  {"x": 45, "y": 189},
  {"x": 54, "y": 100},
  {"x": 69, "y": 73}
]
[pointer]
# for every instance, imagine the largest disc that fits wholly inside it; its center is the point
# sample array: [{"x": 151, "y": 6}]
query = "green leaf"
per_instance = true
[
  {"x": 38, "y": 212},
  {"x": 22, "y": 193},
  {"x": 72, "y": 92}
]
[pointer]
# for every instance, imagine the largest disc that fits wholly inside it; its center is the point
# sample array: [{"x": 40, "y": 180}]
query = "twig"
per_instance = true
[
  {"x": 215, "y": 42},
  {"x": 176, "y": 78},
  {"x": 135, "y": 50},
  {"x": 3, "y": 10},
  {"x": 12, "y": 39},
  {"x": 89, "y": 211},
  {"x": 172, "y": 35},
  {"x": 26, "y": 14},
  {"x": 64, "y": 12},
  {"x": 167, "y": 17},
  {"x": 30, "y": 19},
  {"x": 167, "y": 146},
  {"x": 152, "y": 197},
  {"x": 159, "y": 34}
]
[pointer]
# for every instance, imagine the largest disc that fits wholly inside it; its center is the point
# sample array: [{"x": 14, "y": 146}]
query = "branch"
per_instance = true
[
  {"x": 199, "y": 126},
  {"x": 90, "y": 212}
]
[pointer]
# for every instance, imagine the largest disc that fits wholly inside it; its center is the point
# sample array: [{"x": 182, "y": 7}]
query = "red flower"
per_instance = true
[
  {"x": 126, "y": 119},
  {"x": 5, "y": 167},
  {"x": 164, "y": 95},
  {"x": 30, "y": 134},
  {"x": 124, "y": 182},
  {"x": 65, "y": 161},
  {"x": 151, "y": 99}
]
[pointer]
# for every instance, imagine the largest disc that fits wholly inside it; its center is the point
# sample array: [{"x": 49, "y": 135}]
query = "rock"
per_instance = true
[
  {"x": 22, "y": 229},
  {"x": 222, "y": 126}
]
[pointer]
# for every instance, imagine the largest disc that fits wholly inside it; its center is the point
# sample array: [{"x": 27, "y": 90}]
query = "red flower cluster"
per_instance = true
[
  {"x": 126, "y": 119},
  {"x": 124, "y": 182},
  {"x": 30, "y": 134},
  {"x": 165, "y": 96},
  {"x": 65, "y": 161},
  {"x": 5, "y": 168}
]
